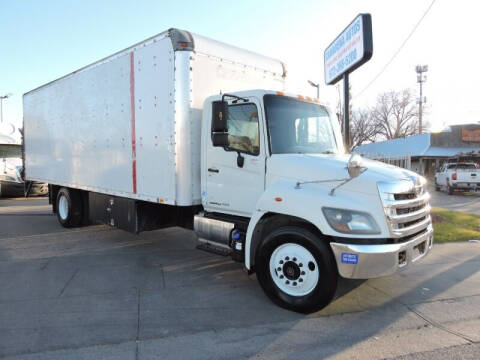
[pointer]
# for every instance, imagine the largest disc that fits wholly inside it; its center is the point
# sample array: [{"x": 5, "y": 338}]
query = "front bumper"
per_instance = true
[{"x": 370, "y": 261}]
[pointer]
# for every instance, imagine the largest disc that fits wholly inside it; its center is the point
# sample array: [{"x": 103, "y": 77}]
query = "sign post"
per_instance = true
[
  {"x": 351, "y": 49},
  {"x": 346, "y": 110}
]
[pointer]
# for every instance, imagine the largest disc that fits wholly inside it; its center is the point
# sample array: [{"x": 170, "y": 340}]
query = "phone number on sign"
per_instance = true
[{"x": 343, "y": 63}]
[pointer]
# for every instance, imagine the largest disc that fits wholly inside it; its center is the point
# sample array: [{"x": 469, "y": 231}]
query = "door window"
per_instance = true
[{"x": 243, "y": 130}]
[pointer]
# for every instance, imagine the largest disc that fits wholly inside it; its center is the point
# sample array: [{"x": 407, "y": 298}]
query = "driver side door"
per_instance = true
[{"x": 234, "y": 185}]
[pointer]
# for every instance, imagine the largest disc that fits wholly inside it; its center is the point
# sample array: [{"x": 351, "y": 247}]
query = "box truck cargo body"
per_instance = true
[{"x": 182, "y": 130}]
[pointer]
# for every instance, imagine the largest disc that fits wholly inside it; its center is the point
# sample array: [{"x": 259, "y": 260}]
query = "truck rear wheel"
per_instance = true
[
  {"x": 296, "y": 269},
  {"x": 449, "y": 189},
  {"x": 69, "y": 207}
]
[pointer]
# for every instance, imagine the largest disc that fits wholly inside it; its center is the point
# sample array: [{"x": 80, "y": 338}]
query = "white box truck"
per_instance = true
[{"x": 181, "y": 130}]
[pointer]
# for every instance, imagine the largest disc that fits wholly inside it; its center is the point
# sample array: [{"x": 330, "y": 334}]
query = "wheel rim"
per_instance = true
[
  {"x": 294, "y": 269},
  {"x": 63, "y": 207}
]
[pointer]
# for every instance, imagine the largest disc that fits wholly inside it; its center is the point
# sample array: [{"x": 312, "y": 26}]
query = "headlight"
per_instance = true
[{"x": 350, "y": 222}]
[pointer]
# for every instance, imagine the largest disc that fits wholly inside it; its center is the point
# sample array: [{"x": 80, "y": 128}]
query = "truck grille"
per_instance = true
[{"x": 406, "y": 207}]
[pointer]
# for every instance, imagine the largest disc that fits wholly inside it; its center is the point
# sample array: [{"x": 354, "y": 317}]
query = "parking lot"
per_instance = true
[
  {"x": 101, "y": 293},
  {"x": 467, "y": 202}
]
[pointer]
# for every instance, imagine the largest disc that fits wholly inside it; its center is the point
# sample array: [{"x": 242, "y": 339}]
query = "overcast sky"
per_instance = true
[{"x": 43, "y": 40}]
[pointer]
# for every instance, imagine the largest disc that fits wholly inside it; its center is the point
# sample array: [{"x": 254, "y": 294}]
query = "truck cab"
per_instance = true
[{"x": 279, "y": 189}]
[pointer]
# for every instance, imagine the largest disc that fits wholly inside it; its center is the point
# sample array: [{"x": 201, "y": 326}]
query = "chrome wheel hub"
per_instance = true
[
  {"x": 63, "y": 207},
  {"x": 294, "y": 269}
]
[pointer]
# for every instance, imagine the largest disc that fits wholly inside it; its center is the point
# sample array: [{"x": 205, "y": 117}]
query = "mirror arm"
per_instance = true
[{"x": 346, "y": 181}]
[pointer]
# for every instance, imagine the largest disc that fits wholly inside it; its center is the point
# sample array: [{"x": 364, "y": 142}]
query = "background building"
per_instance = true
[{"x": 424, "y": 153}]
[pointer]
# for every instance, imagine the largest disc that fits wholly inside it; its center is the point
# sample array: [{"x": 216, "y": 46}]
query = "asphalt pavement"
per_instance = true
[
  {"x": 102, "y": 293},
  {"x": 459, "y": 201}
]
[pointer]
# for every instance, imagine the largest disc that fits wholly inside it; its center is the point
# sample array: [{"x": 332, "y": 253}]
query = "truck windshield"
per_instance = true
[{"x": 300, "y": 127}]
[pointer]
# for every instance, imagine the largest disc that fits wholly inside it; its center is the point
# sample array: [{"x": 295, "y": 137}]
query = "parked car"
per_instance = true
[
  {"x": 11, "y": 168},
  {"x": 461, "y": 176}
]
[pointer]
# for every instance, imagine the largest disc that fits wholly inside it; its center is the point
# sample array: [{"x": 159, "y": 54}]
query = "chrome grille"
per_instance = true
[{"x": 406, "y": 207}]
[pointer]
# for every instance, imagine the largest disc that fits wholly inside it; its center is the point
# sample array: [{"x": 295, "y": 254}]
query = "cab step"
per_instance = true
[{"x": 217, "y": 250}]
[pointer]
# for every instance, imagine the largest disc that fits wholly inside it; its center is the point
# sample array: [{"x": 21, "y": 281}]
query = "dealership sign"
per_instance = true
[
  {"x": 352, "y": 48},
  {"x": 471, "y": 135}
]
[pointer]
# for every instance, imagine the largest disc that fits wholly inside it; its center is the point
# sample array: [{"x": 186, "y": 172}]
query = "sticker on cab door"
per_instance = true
[{"x": 349, "y": 258}]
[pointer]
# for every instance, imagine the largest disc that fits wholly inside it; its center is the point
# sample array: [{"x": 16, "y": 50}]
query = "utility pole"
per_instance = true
[
  {"x": 346, "y": 110},
  {"x": 2, "y": 97},
  {"x": 420, "y": 69},
  {"x": 317, "y": 85}
]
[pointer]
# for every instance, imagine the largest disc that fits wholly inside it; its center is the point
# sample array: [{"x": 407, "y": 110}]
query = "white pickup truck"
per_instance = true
[
  {"x": 462, "y": 176},
  {"x": 179, "y": 130}
]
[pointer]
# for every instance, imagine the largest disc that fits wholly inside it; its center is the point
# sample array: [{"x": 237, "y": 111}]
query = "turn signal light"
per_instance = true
[{"x": 454, "y": 176}]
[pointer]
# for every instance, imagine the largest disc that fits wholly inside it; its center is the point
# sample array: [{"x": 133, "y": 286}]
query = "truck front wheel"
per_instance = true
[
  {"x": 69, "y": 207},
  {"x": 296, "y": 269}
]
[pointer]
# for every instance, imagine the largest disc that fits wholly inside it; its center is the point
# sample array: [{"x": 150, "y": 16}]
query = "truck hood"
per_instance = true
[{"x": 323, "y": 167}]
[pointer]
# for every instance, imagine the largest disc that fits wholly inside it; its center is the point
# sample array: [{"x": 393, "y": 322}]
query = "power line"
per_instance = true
[{"x": 397, "y": 52}]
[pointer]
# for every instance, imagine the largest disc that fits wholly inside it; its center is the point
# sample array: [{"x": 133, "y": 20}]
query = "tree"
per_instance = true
[
  {"x": 362, "y": 127},
  {"x": 395, "y": 114}
]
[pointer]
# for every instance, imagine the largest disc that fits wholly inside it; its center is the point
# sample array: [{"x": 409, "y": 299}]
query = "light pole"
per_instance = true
[
  {"x": 315, "y": 86},
  {"x": 420, "y": 69},
  {"x": 2, "y": 97}
]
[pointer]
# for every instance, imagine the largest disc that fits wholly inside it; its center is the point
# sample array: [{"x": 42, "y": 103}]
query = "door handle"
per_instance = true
[{"x": 213, "y": 170}]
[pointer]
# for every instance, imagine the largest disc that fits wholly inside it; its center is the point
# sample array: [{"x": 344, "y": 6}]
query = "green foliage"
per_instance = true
[{"x": 454, "y": 225}]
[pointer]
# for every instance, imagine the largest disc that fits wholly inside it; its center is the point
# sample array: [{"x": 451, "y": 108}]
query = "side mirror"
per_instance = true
[
  {"x": 219, "y": 123},
  {"x": 354, "y": 165}
]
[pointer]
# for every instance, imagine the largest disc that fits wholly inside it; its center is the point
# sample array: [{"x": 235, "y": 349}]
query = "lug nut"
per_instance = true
[
  {"x": 294, "y": 283},
  {"x": 294, "y": 259},
  {"x": 287, "y": 258},
  {"x": 300, "y": 265},
  {"x": 281, "y": 261},
  {"x": 279, "y": 268},
  {"x": 281, "y": 276},
  {"x": 303, "y": 272},
  {"x": 287, "y": 282},
  {"x": 300, "y": 280}
]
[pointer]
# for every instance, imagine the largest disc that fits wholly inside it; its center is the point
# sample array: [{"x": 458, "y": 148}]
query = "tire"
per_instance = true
[
  {"x": 301, "y": 294},
  {"x": 69, "y": 207},
  {"x": 449, "y": 189}
]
